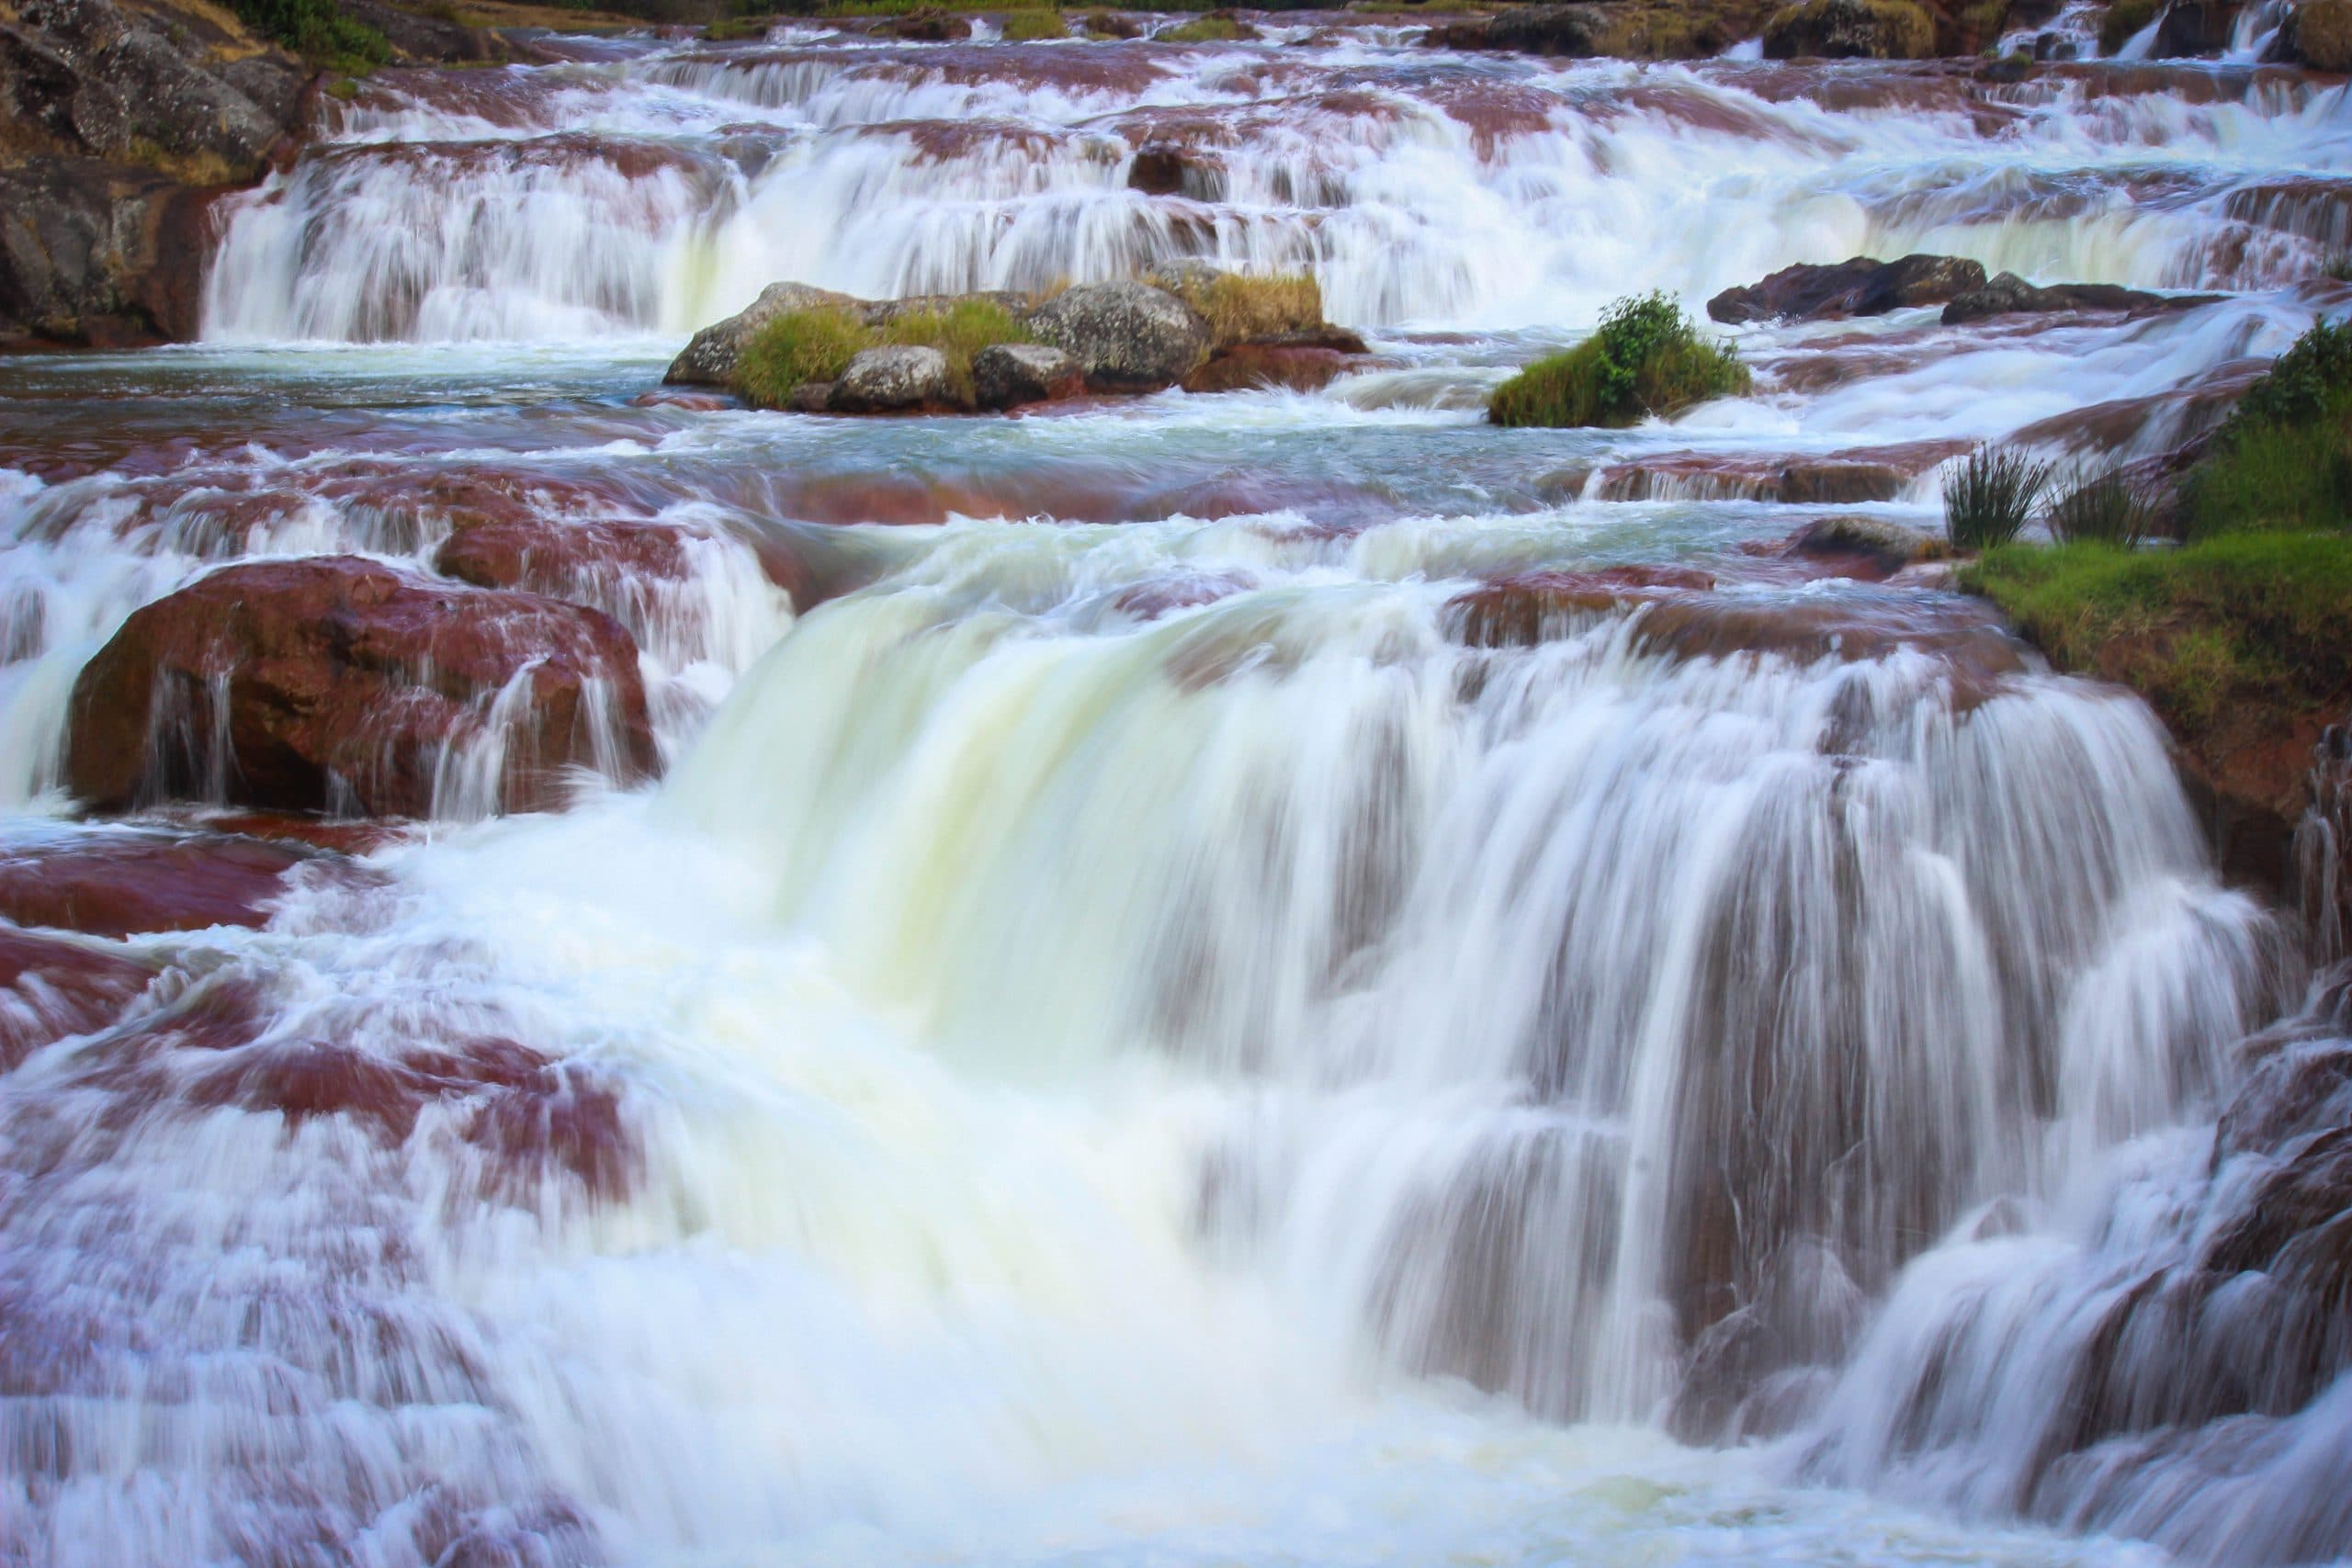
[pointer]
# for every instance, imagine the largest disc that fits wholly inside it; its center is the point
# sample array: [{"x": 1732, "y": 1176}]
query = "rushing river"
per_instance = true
[{"x": 1124, "y": 1034}]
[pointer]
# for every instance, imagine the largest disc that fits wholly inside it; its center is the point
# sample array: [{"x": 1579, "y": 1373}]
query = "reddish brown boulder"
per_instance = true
[
  {"x": 1859, "y": 287},
  {"x": 49, "y": 989},
  {"x": 1829, "y": 478},
  {"x": 560, "y": 558},
  {"x": 1251, "y": 364},
  {"x": 336, "y": 684},
  {"x": 114, "y": 884}
]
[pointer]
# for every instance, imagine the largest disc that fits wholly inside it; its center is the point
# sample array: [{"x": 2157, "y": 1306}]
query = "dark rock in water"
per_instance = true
[
  {"x": 2196, "y": 27},
  {"x": 1829, "y": 478},
  {"x": 1877, "y": 547},
  {"x": 1128, "y": 337},
  {"x": 559, "y": 558},
  {"x": 811, "y": 396},
  {"x": 1298, "y": 367},
  {"x": 1171, "y": 168},
  {"x": 2009, "y": 295},
  {"x": 893, "y": 379},
  {"x": 709, "y": 359},
  {"x": 1011, "y": 375},
  {"x": 1860, "y": 287},
  {"x": 336, "y": 683},
  {"x": 1850, "y": 29},
  {"x": 1574, "y": 32}
]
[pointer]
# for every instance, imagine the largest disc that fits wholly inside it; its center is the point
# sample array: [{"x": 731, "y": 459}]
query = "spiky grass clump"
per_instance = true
[
  {"x": 1990, "y": 498},
  {"x": 796, "y": 347},
  {"x": 1645, "y": 359},
  {"x": 1239, "y": 307},
  {"x": 2101, "y": 507}
]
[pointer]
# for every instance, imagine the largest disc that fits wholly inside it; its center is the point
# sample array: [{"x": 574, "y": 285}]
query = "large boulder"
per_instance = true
[
  {"x": 336, "y": 683},
  {"x": 894, "y": 379},
  {"x": 1127, "y": 337},
  {"x": 2008, "y": 294},
  {"x": 1859, "y": 287},
  {"x": 709, "y": 358},
  {"x": 1850, "y": 29},
  {"x": 1011, "y": 375}
]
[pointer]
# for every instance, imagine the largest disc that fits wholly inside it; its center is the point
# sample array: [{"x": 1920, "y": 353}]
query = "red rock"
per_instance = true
[
  {"x": 120, "y": 884},
  {"x": 1832, "y": 478},
  {"x": 561, "y": 558},
  {"x": 1529, "y": 607},
  {"x": 345, "y": 684},
  {"x": 1253, "y": 364},
  {"x": 50, "y": 989}
]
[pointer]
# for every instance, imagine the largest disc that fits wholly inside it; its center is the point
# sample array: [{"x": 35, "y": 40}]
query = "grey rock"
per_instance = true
[
  {"x": 1007, "y": 375},
  {"x": 709, "y": 358},
  {"x": 1127, "y": 337},
  {"x": 891, "y": 381}
]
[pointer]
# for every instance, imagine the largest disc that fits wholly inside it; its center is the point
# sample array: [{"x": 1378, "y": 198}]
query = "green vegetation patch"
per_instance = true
[
  {"x": 2124, "y": 18},
  {"x": 2283, "y": 460},
  {"x": 1206, "y": 29},
  {"x": 1646, "y": 358},
  {"x": 1239, "y": 307},
  {"x": 1032, "y": 27},
  {"x": 2246, "y": 633},
  {"x": 318, "y": 31},
  {"x": 800, "y": 346}
]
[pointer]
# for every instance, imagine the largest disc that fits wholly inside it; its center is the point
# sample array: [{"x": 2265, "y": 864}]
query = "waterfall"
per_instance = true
[{"x": 1274, "y": 977}]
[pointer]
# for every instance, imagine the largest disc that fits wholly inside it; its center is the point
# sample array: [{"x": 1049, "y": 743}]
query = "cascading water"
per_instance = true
[{"x": 1210, "y": 978}]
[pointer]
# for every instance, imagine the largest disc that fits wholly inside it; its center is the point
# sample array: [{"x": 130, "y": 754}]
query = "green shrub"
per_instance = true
[
  {"x": 798, "y": 346},
  {"x": 318, "y": 31},
  {"x": 1991, "y": 496},
  {"x": 2123, "y": 19},
  {"x": 2103, "y": 508},
  {"x": 1646, "y": 358},
  {"x": 2283, "y": 458},
  {"x": 2236, "y": 638},
  {"x": 1029, "y": 26},
  {"x": 1208, "y": 29}
]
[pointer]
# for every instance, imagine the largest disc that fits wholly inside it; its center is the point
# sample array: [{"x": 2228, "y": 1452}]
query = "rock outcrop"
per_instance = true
[
  {"x": 1850, "y": 29},
  {"x": 2008, "y": 294},
  {"x": 1859, "y": 287},
  {"x": 335, "y": 683},
  {"x": 1014, "y": 375},
  {"x": 894, "y": 380},
  {"x": 709, "y": 359},
  {"x": 1127, "y": 337}
]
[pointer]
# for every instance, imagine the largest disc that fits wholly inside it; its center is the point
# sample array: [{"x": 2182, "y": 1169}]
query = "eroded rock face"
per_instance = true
[
  {"x": 2008, "y": 295},
  {"x": 119, "y": 119},
  {"x": 1850, "y": 29},
  {"x": 1859, "y": 286},
  {"x": 1127, "y": 337},
  {"x": 894, "y": 380},
  {"x": 336, "y": 684},
  {"x": 1012, "y": 375},
  {"x": 1297, "y": 368},
  {"x": 119, "y": 884}
]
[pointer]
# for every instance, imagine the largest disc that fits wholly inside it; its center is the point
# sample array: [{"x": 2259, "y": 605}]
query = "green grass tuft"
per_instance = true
[
  {"x": 2102, "y": 508},
  {"x": 319, "y": 32},
  {"x": 1239, "y": 307},
  {"x": 1208, "y": 29},
  {"x": 959, "y": 332},
  {"x": 798, "y": 346},
  {"x": 2283, "y": 458},
  {"x": 1645, "y": 358},
  {"x": 1990, "y": 498}
]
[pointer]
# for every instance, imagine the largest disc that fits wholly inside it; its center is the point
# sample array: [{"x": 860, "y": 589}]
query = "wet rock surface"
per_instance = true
[
  {"x": 1127, "y": 337},
  {"x": 333, "y": 683},
  {"x": 1014, "y": 375},
  {"x": 1860, "y": 287},
  {"x": 893, "y": 380},
  {"x": 2009, "y": 295}
]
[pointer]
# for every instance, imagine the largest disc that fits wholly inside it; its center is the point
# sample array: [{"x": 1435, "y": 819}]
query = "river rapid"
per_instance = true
[{"x": 1125, "y": 1032}]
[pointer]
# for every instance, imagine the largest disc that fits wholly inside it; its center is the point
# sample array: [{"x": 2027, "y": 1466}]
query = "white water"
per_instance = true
[{"x": 1045, "y": 1082}]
